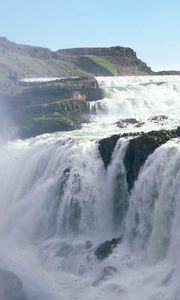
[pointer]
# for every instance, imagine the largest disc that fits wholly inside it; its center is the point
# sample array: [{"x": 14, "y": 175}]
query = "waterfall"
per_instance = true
[
  {"x": 55, "y": 181},
  {"x": 58, "y": 202},
  {"x": 154, "y": 202}
]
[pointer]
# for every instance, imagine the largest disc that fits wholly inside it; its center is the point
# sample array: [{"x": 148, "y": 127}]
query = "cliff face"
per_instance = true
[
  {"x": 110, "y": 51},
  {"x": 106, "y": 61},
  {"x": 138, "y": 150},
  {"x": 33, "y": 93},
  {"x": 20, "y": 61},
  {"x": 44, "y": 107}
]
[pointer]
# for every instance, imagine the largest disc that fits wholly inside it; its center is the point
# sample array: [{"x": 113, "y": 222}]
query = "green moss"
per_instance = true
[
  {"x": 47, "y": 124},
  {"x": 104, "y": 63}
]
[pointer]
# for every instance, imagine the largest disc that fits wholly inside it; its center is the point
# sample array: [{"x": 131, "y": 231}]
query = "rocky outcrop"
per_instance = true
[
  {"x": 168, "y": 72},
  {"x": 106, "y": 146},
  {"x": 106, "y": 61},
  {"x": 33, "y": 93},
  {"x": 60, "y": 116},
  {"x": 45, "y": 107},
  {"x": 138, "y": 150},
  {"x": 106, "y": 248},
  {"x": 19, "y": 61},
  {"x": 23, "y": 61},
  {"x": 11, "y": 287},
  {"x": 105, "y": 51}
]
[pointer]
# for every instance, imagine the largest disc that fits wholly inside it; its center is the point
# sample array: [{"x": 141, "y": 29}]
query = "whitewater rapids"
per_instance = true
[{"x": 57, "y": 203}]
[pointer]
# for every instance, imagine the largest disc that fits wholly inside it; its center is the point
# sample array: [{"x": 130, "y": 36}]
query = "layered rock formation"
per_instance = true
[
  {"x": 108, "y": 51},
  {"x": 106, "y": 61},
  {"x": 44, "y": 107},
  {"x": 20, "y": 61}
]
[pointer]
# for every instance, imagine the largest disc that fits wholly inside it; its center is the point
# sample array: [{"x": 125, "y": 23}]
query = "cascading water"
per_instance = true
[{"x": 58, "y": 203}]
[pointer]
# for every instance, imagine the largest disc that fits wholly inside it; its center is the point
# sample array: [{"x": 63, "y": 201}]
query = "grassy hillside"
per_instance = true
[
  {"x": 103, "y": 62},
  {"x": 20, "y": 61},
  {"x": 24, "y": 65}
]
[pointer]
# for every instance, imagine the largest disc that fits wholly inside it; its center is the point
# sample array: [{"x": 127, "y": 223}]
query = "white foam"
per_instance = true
[{"x": 55, "y": 194}]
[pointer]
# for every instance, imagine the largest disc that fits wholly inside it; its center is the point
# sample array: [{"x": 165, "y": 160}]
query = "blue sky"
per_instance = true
[{"x": 150, "y": 27}]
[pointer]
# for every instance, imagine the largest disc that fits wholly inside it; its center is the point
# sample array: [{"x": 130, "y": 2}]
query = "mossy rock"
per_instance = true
[{"x": 44, "y": 124}]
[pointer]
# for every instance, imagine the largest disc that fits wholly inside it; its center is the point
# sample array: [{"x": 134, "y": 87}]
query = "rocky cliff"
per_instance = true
[
  {"x": 138, "y": 150},
  {"x": 43, "y": 107},
  {"x": 110, "y": 51},
  {"x": 106, "y": 61},
  {"x": 19, "y": 61}
]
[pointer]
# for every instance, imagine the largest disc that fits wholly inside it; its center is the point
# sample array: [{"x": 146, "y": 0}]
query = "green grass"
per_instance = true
[
  {"x": 42, "y": 67},
  {"x": 104, "y": 63},
  {"x": 44, "y": 124}
]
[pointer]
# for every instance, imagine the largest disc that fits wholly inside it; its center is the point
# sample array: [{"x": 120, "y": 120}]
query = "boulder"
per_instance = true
[
  {"x": 138, "y": 149},
  {"x": 11, "y": 287},
  {"x": 106, "y": 248},
  {"x": 141, "y": 147},
  {"x": 106, "y": 146}
]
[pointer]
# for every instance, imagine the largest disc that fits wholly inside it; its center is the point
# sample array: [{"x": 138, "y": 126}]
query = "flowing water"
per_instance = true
[{"x": 58, "y": 202}]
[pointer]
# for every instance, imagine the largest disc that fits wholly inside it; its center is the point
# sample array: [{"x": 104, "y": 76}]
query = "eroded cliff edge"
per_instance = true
[
  {"x": 138, "y": 150},
  {"x": 34, "y": 108},
  {"x": 24, "y": 61}
]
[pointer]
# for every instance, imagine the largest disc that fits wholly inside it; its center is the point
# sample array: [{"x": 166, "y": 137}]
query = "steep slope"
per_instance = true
[
  {"x": 110, "y": 61},
  {"x": 19, "y": 61}
]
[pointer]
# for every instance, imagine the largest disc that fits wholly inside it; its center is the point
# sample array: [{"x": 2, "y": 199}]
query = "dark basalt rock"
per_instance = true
[
  {"x": 122, "y": 123},
  {"x": 106, "y": 146},
  {"x": 109, "y": 51},
  {"x": 138, "y": 149},
  {"x": 140, "y": 124},
  {"x": 158, "y": 118},
  {"x": 106, "y": 248}
]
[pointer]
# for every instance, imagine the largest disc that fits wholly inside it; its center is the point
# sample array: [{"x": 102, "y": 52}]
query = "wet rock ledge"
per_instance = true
[
  {"x": 35, "y": 108},
  {"x": 138, "y": 150}
]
